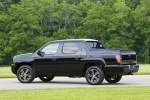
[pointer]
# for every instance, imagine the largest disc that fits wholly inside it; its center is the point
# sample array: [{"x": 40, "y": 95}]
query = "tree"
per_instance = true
[
  {"x": 141, "y": 17},
  {"x": 21, "y": 26},
  {"x": 125, "y": 37},
  {"x": 25, "y": 25}
]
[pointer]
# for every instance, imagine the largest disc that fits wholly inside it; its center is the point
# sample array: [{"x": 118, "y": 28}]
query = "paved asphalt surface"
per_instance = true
[{"x": 65, "y": 82}]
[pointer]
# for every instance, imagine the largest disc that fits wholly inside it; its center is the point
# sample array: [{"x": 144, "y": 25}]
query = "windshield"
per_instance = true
[{"x": 94, "y": 44}]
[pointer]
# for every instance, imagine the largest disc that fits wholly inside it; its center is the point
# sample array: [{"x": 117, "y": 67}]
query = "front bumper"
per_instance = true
[
  {"x": 120, "y": 69},
  {"x": 13, "y": 68}
]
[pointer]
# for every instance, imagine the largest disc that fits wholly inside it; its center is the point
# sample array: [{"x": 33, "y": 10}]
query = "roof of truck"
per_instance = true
[{"x": 72, "y": 40}]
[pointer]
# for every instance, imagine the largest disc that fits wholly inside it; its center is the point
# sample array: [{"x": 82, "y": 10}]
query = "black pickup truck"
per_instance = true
[{"x": 75, "y": 58}]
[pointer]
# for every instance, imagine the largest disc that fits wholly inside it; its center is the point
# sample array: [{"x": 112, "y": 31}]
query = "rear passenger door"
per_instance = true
[{"x": 69, "y": 58}]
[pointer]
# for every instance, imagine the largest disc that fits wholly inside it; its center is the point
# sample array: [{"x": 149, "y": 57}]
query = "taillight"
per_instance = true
[{"x": 119, "y": 59}]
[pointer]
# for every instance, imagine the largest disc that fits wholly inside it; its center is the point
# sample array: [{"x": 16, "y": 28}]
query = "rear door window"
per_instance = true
[{"x": 70, "y": 48}]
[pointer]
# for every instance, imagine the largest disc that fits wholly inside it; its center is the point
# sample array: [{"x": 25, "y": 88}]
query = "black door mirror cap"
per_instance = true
[{"x": 40, "y": 53}]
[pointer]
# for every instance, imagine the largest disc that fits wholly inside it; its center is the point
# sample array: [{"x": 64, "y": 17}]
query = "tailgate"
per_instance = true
[{"x": 128, "y": 57}]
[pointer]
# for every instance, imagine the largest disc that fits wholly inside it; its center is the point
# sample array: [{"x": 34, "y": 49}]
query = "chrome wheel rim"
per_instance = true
[
  {"x": 25, "y": 74},
  {"x": 93, "y": 75}
]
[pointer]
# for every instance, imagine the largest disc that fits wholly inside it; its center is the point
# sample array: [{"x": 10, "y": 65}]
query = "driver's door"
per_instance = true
[{"x": 46, "y": 63}]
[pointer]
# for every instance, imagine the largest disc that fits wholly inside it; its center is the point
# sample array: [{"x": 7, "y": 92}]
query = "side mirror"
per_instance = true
[{"x": 40, "y": 53}]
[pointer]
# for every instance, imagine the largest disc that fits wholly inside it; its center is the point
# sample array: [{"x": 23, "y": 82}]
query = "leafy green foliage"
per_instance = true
[{"x": 25, "y": 25}]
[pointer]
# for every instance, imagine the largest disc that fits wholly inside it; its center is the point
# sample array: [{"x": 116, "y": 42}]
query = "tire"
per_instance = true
[
  {"x": 46, "y": 79},
  {"x": 94, "y": 75},
  {"x": 113, "y": 79},
  {"x": 25, "y": 74}
]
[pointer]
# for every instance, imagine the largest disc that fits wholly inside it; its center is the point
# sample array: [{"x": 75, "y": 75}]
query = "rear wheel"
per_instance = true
[
  {"x": 46, "y": 79},
  {"x": 25, "y": 74},
  {"x": 113, "y": 78},
  {"x": 94, "y": 75}
]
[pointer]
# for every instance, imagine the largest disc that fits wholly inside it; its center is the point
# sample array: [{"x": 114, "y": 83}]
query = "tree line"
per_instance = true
[{"x": 25, "y": 25}]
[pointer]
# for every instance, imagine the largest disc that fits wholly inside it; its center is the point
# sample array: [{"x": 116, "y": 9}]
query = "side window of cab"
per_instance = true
[{"x": 70, "y": 48}]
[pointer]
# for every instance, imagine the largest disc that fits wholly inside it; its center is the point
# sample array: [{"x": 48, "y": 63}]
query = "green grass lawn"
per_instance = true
[
  {"x": 5, "y": 72},
  {"x": 97, "y": 93},
  {"x": 144, "y": 69}
]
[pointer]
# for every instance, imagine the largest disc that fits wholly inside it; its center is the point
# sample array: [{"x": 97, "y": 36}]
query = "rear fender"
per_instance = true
[{"x": 92, "y": 61}]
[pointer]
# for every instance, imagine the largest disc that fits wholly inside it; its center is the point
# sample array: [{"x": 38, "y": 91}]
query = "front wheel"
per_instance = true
[
  {"x": 94, "y": 75},
  {"x": 46, "y": 79},
  {"x": 25, "y": 74},
  {"x": 113, "y": 78}
]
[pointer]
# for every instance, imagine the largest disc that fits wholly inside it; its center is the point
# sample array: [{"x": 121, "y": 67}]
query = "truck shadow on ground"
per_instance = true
[{"x": 81, "y": 83}]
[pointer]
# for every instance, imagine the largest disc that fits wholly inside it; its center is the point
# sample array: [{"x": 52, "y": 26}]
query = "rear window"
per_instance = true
[{"x": 94, "y": 44}]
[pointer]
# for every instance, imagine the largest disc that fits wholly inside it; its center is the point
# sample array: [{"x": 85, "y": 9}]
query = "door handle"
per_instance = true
[
  {"x": 54, "y": 58},
  {"x": 76, "y": 58}
]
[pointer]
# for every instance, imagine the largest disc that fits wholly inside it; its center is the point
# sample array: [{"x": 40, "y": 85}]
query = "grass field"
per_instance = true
[
  {"x": 5, "y": 72},
  {"x": 144, "y": 69},
  {"x": 97, "y": 93}
]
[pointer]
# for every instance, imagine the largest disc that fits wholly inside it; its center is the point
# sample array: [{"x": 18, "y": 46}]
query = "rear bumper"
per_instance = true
[
  {"x": 13, "y": 68},
  {"x": 120, "y": 69}
]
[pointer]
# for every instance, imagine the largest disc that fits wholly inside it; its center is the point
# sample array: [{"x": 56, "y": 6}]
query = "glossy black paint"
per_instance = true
[{"x": 60, "y": 64}]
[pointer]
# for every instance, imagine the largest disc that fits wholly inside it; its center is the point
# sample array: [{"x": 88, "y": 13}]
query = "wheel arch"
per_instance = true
[
  {"x": 18, "y": 65},
  {"x": 86, "y": 63}
]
